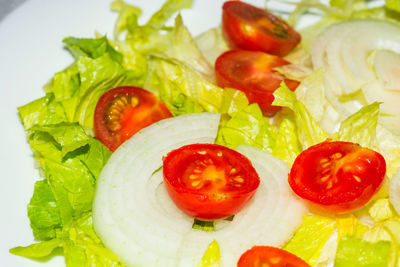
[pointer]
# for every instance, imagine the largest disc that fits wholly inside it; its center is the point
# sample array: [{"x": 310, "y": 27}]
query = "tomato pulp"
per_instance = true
[
  {"x": 209, "y": 181},
  {"x": 337, "y": 177},
  {"x": 260, "y": 256},
  {"x": 253, "y": 73},
  {"x": 123, "y": 111},
  {"x": 248, "y": 27}
]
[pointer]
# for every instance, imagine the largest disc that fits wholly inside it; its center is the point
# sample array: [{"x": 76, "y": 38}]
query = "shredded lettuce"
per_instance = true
[
  {"x": 381, "y": 210},
  {"x": 308, "y": 131},
  {"x": 310, "y": 238},
  {"x": 59, "y": 128},
  {"x": 354, "y": 251},
  {"x": 287, "y": 145},
  {"x": 212, "y": 256}
]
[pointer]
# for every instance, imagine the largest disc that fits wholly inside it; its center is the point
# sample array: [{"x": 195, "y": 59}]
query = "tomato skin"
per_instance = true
[
  {"x": 252, "y": 72},
  {"x": 248, "y": 27},
  {"x": 201, "y": 179},
  {"x": 337, "y": 177},
  {"x": 259, "y": 256},
  {"x": 131, "y": 119}
]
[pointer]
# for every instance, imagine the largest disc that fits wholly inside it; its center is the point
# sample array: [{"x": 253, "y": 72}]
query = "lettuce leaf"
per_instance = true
[
  {"x": 354, "y": 251},
  {"x": 287, "y": 145},
  {"x": 181, "y": 88},
  {"x": 308, "y": 131},
  {"x": 249, "y": 127},
  {"x": 212, "y": 256},
  {"x": 381, "y": 210},
  {"x": 43, "y": 111},
  {"x": 361, "y": 126},
  {"x": 70, "y": 160},
  {"x": 92, "y": 48},
  {"x": 43, "y": 213},
  {"x": 38, "y": 250},
  {"x": 310, "y": 238},
  {"x": 350, "y": 226}
]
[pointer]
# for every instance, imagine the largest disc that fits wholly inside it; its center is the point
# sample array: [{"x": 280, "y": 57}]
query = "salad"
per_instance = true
[{"x": 307, "y": 155}]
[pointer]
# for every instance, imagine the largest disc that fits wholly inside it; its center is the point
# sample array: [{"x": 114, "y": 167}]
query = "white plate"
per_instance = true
[{"x": 31, "y": 51}]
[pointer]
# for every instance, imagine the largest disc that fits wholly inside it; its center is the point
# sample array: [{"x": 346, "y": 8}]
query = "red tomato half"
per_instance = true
[
  {"x": 252, "y": 72},
  {"x": 209, "y": 181},
  {"x": 337, "y": 177},
  {"x": 248, "y": 27},
  {"x": 123, "y": 111},
  {"x": 260, "y": 256}
]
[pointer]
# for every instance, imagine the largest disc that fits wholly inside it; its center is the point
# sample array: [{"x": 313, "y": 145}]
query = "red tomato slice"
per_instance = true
[
  {"x": 248, "y": 27},
  {"x": 252, "y": 72},
  {"x": 209, "y": 181},
  {"x": 123, "y": 111},
  {"x": 260, "y": 256},
  {"x": 337, "y": 177}
]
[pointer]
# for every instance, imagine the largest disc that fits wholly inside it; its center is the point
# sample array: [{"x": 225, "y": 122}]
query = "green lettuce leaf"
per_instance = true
[
  {"x": 38, "y": 250},
  {"x": 153, "y": 36},
  {"x": 248, "y": 127},
  {"x": 287, "y": 145},
  {"x": 93, "y": 48},
  {"x": 361, "y": 126},
  {"x": 83, "y": 235},
  {"x": 42, "y": 111},
  {"x": 212, "y": 44},
  {"x": 354, "y": 251},
  {"x": 212, "y": 256},
  {"x": 43, "y": 213},
  {"x": 97, "y": 76},
  {"x": 381, "y": 210},
  {"x": 308, "y": 131},
  {"x": 182, "y": 89},
  {"x": 70, "y": 160},
  {"x": 393, "y": 5},
  {"x": 350, "y": 226},
  {"x": 310, "y": 238},
  {"x": 69, "y": 136},
  {"x": 185, "y": 50}
]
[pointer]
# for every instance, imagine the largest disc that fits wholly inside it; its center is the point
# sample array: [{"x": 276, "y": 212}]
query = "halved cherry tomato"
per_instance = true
[
  {"x": 209, "y": 181},
  {"x": 252, "y": 72},
  {"x": 123, "y": 111},
  {"x": 260, "y": 256},
  {"x": 248, "y": 27},
  {"x": 337, "y": 177}
]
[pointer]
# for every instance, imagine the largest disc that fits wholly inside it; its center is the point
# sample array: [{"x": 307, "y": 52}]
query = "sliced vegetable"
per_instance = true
[
  {"x": 209, "y": 181},
  {"x": 308, "y": 130},
  {"x": 368, "y": 65},
  {"x": 248, "y": 27},
  {"x": 123, "y": 111},
  {"x": 259, "y": 256},
  {"x": 137, "y": 220},
  {"x": 337, "y": 177},
  {"x": 253, "y": 73}
]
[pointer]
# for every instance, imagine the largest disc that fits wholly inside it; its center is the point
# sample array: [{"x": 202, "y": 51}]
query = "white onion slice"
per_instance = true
[
  {"x": 135, "y": 218},
  {"x": 394, "y": 191},
  {"x": 361, "y": 54}
]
